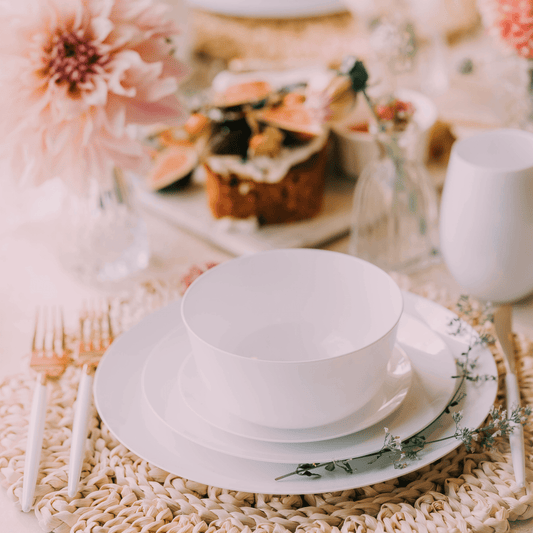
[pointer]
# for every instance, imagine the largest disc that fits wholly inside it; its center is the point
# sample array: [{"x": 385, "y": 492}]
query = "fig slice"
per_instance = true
[
  {"x": 172, "y": 166},
  {"x": 249, "y": 92},
  {"x": 293, "y": 118}
]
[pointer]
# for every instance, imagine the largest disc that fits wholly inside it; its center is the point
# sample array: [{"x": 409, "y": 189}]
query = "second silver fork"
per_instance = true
[{"x": 96, "y": 334}]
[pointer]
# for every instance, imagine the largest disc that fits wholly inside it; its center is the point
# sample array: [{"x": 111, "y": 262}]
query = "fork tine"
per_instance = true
[
  {"x": 109, "y": 325},
  {"x": 92, "y": 323},
  {"x": 44, "y": 328},
  {"x": 54, "y": 327},
  {"x": 82, "y": 318},
  {"x": 100, "y": 319},
  {"x": 63, "y": 338},
  {"x": 34, "y": 340}
]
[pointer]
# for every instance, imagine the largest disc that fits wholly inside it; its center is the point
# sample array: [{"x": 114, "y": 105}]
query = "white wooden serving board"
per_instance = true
[{"x": 188, "y": 209}]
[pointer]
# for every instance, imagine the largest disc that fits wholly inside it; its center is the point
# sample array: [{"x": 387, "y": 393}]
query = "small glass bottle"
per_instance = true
[
  {"x": 104, "y": 238},
  {"x": 395, "y": 212}
]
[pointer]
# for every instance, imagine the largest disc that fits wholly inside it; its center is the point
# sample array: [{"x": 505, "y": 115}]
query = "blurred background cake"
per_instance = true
[{"x": 267, "y": 154}]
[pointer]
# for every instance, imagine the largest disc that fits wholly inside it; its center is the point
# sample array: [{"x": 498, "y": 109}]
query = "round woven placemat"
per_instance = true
[{"x": 121, "y": 493}]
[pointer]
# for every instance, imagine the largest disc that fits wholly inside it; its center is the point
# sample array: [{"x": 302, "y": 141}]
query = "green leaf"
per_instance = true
[
  {"x": 346, "y": 467},
  {"x": 357, "y": 72}
]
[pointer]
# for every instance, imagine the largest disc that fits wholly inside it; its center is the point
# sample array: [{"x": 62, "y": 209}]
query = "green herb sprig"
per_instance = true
[
  {"x": 500, "y": 423},
  {"x": 356, "y": 70}
]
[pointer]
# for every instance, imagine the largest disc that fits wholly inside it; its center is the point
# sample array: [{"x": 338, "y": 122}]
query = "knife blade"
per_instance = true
[{"x": 503, "y": 327}]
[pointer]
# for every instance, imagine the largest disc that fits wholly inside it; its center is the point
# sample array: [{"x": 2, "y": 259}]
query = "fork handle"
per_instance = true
[
  {"x": 34, "y": 443},
  {"x": 79, "y": 430},
  {"x": 516, "y": 438}
]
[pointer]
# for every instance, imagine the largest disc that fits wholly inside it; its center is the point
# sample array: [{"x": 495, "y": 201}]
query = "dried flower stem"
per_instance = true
[{"x": 501, "y": 423}]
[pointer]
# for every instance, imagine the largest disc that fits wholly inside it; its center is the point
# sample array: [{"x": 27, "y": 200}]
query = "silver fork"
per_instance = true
[
  {"x": 49, "y": 358},
  {"x": 96, "y": 335}
]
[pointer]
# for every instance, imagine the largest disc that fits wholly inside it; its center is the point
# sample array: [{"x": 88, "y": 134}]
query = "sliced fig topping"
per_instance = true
[
  {"x": 249, "y": 92},
  {"x": 267, "y": 143},
  {"x": 172, "y": 165},
  {"x": 294, "y": 118}
]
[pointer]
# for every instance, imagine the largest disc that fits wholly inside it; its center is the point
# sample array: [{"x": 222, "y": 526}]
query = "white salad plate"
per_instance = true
[
  {"x": 190, "y": 388},
  {"x": 431, "y": 390},
  {"x": 270, "y": 8},
  {"x": 168, "y": 404},
  {"x": 123, "y": 408}
]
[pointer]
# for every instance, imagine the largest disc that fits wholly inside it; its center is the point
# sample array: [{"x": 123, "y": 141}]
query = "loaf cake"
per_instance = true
[
  {"x": 285, "y": 188},
  {"x": 268, "y": 156}
]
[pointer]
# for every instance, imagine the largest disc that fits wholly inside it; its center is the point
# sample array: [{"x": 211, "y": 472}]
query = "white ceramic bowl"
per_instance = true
[
  {"x": 292, "y": 338},
  {"x": 356, "y": 149}
]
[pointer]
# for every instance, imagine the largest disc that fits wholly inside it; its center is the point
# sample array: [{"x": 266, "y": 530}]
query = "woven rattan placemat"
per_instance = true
[{"x": 121, "y": 493}]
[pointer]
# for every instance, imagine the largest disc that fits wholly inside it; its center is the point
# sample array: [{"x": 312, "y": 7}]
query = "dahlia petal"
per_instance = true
[
  {"x": 98, "y": 96},
  {"x": 174, "y": 67},
  {"x": 128, "y": 70},
  {"x": 101, "y": 28},
  {"x": 160, "y": 89},
  {"x": 78, "y": 13},
  {"x": 114, "y": 118},
  {"x": 67, "y": 115},
  {"x": 127, "y": 9},
  {"x": 167, "y": 110},
  {"x": 56, "y": 139},
  {"x": 100, "y": 8},
  {"x": 123, "y": 36}
]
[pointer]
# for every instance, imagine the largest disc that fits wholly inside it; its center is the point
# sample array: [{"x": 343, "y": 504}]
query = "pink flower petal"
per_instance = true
[
  {"x": 167, "y": 110},
  {"x": 68, "y": 115}
]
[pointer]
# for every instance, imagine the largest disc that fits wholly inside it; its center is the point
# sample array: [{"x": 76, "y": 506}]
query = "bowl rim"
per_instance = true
[{"x": 267, "y": 362}]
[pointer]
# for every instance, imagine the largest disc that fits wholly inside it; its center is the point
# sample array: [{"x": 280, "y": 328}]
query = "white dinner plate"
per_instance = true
[
  {"x": 431, "y": 390},
  {"x": 270, "y": 8},
  {"x": 168, "y": 404},
  {"x": 121, "y": 405},
  {"x": 189, "y": 388}
]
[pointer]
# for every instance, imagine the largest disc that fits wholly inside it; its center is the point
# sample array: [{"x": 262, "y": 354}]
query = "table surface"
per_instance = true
[
  {"x": 36, "y": 277},
  {"x": 33, "y": 276}
]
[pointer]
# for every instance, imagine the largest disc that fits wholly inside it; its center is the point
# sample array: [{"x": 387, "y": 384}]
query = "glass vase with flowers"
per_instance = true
[
  {"x": 79, "y": 77},
  {"x": 394, "y": 216}
]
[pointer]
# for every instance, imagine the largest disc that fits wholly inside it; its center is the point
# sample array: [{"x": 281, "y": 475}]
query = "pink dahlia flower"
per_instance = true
[
  {"x": 514, "y": 21},
  {"x": 76, "y": 76}
]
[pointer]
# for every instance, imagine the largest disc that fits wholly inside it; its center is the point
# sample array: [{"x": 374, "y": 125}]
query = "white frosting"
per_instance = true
[
  {"x": 314, "y": 76},
  {"x": 237, "y": 225},
  {"x": 264, "y": 168}
]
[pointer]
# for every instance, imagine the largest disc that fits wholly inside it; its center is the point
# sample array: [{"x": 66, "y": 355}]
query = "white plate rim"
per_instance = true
[
  {"x": 272, "y": 8},
  {"x": 123, "y": 412}
]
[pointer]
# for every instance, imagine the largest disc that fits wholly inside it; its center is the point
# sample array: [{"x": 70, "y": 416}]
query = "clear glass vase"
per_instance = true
[
  {"x": 103, "y": 235},
  {"x": 395, "y": 212}
]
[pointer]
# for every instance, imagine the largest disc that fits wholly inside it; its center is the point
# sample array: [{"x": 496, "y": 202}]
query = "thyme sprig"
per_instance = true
[{"x": 501, "y": 422}]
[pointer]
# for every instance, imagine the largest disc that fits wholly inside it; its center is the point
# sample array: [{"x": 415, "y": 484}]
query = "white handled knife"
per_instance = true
[{"x": 503, "y": 326}]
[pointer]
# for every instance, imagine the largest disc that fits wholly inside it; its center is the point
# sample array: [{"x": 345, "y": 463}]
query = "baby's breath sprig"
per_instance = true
[
  {"x": 501, "y": 422},
  {"x": 481, "y": 315},
  {"x": 402, "y": 453}
]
